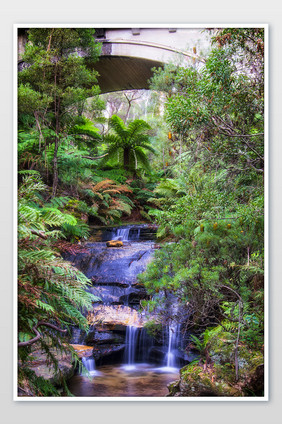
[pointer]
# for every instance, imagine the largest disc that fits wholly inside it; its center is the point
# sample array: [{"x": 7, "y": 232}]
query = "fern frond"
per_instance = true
[
  {"x": 102, "y": 185},
  {"x": 122, "y": 206}
]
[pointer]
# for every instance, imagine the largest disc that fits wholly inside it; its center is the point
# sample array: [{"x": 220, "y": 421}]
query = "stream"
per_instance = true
[{"x": 125, "y": 361}]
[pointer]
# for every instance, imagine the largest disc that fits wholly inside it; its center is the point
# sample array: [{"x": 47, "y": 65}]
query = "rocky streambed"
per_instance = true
[{"x": 112, "y": 260}]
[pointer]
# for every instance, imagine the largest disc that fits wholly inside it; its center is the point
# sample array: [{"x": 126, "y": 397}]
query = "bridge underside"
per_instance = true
[{"x": 124, "y": 73}]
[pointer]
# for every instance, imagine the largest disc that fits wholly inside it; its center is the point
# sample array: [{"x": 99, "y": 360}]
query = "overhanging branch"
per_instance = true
[{"x": 38, "y": 334}]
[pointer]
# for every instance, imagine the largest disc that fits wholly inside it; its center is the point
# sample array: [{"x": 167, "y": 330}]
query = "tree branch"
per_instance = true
[
  {"x": 246, "y": 135},
  {"x": 39, "y": 234},
  {"x": 38, "y": 334},
  {"x": 97, "y": 157}
]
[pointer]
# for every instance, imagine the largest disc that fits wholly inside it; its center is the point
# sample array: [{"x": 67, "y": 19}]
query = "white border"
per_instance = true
[
  {"x": 15, "y": 214},
  {"x": 266, "y": 234}
]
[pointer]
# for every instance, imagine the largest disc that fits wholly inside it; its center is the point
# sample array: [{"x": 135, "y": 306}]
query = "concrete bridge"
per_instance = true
[{"x": 129, "y": 54}]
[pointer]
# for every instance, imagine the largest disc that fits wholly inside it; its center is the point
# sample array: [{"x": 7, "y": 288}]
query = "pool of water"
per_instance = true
[{"x": 138, "y": 380}]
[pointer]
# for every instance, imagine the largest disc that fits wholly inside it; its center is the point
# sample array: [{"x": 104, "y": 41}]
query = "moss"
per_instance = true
[
  {"x": 197, "y": 381},
  {"x": 218, "y": 378},
  {"x": 173, "y": 388}
]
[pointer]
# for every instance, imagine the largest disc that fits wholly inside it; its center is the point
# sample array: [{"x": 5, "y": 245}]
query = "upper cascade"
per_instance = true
[
  {"x": 141, "y": 232},
  {"x": 119, "y": 265}
]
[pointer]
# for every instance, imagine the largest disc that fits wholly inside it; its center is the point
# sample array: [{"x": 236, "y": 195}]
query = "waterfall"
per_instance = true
[
  {"x": 174, "y": 341},
  {"x": 114, "y": 280},
  {"x": 89, "y": 364},
  {"x": 128, "y": 233},
  {"x": 135, "y": 233},
  {"x": 131, "y": 339},
  {"x": 122, "y": 234},
  {"x": 145, "y": 346}
]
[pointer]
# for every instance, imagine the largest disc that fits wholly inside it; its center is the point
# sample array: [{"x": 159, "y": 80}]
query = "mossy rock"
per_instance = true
[
  {"x": 173, "y": 388},
  {"x": 195, "y": 381}
]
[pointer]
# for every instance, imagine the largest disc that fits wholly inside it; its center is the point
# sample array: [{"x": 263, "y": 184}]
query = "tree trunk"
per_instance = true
[
  {"x": 55, "y": 168},
  {"x": 164, "y": 167},
  {"x": 55, "y": 158},
  {"x": 237, "y": 342},
  {"x": 126, "y": 153}
]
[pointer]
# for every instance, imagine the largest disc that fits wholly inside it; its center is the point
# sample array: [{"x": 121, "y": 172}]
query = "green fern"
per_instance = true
[
  {"x": 50, "y": 289},
  {"x": 80, "y": 230}
]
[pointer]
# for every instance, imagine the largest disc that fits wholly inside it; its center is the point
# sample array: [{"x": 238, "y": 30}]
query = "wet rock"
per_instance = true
[
  {"x": 119, "y": 265},
  {"x": 107, "y": 351},
  {"x": 83, "y": 351},
  {"x": 112, "y": 260},
  {"x": 104, "y": 337},
  {"x": 133, "y": 296},
  {"x": 78, "y": 336},
  {"x": 132, "y": 232},
  {"x": 111, "y": 293}
]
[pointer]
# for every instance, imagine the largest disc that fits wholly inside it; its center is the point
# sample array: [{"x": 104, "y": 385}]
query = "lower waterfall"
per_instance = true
[
  {"x": 171, "y": 361},
  {"x": 131, "y": 339},
  {"x": 89, "y": 366}
]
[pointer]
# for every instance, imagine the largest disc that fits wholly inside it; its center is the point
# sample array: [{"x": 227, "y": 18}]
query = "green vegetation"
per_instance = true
[
  {"x": 198, "y": 172},
  {"x": 127, "y": 144},
  {"x": 212, "y": 207},
  {"x": 63, "y": 187},
  {"x": 51, "y": 292}
]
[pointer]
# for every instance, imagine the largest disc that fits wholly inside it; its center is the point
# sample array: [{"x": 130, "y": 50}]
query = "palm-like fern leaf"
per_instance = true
[{"x": 129, "y": 138}]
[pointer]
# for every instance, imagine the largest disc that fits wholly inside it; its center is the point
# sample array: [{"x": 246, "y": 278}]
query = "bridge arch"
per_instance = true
[{"x": 129, "y": 54}]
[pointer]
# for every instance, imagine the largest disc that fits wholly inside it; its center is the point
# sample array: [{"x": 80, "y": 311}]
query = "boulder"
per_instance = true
[
  {"x": 114, "y": 243},
  {"x": 112, "y": 317},
  {"x": 254, "y": 385},
  {"x": 40, "y": 366},
  {"x": 196, "y": 381},
  {"x": 83, "y": 350}
]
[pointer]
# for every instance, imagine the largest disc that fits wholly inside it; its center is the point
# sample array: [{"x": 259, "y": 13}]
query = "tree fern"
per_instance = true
[{"x": 127, "y": 144}]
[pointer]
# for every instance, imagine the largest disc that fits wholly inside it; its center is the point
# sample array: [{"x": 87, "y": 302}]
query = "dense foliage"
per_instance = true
[
  {"x": 51, "y": 292},
  {"x": 212, "y": 207},
  {"x": 63, "y": 186},
  {"x": 54, "y": 86}
]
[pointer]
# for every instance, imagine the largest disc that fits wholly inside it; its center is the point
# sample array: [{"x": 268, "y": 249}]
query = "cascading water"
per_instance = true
[
  {"x": 135, "y": 234},
  {"x": 145, "y": 345},
  {"x": 122, "y": 234},
  {"x": 130, "y": 233},
  {"x": 174, "y": 341},
  {"x": 131, "y": 339},
  {"x": 89, "y": 364},
  {"x": 127, "y": 233},
  {"x": 120, "y": 355}
]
